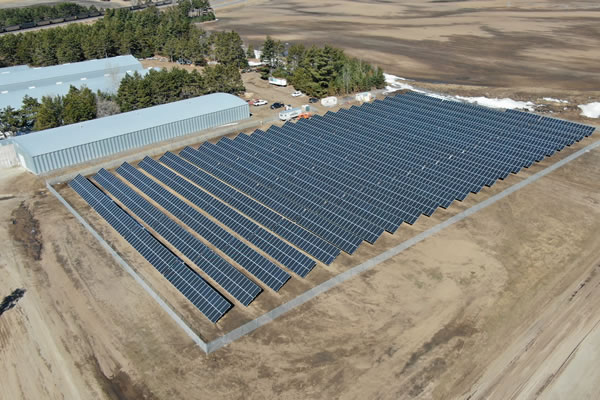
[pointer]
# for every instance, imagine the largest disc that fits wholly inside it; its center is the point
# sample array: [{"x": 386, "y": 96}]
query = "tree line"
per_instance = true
[
  {"x": 121, "y": 31},
  {"x": 20, "y": 15},
  {"x": 319, "y": 71},
  {"x": 160, "y": 87},
  {"x": 53, "y": 111},
  {"x": 135, "y": 92}
]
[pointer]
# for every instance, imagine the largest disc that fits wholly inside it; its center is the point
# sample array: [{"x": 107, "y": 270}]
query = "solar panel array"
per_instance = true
[
  {"x": 226, "y": 275},
  {"x": 284, "y": 253},
  {"x": 309, "y": 190},
  {"x": 313, "y": 245},
  {"x": 273, "y": 276},
  {"x": 192, "y": 286}
]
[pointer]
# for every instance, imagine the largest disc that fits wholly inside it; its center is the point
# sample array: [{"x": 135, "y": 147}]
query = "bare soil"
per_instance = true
[{"x": 424, "y": 324}]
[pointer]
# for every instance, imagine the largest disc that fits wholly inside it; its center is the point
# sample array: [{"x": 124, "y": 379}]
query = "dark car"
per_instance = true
[
  {"x": 277, "y": 105},
  {"x": 313, "y": 100}
]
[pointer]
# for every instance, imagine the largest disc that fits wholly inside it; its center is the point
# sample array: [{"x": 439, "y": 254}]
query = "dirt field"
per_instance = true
[
  {"x": 424, "y": 324},
  {"x": 547, "y": 46}
]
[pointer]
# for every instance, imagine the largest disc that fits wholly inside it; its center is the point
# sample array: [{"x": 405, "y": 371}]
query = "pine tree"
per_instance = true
[
  {"x": 268, "y": 51},
  {"x": 79, "y": 105},
  {"x": 49, "y": 114},
  {"x": 28, "y": 113},
  {"x": 250, "y": 51}
]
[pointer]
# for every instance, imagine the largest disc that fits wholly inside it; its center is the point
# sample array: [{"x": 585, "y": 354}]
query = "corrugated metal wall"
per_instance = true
[{"x": 89, "y": 151}]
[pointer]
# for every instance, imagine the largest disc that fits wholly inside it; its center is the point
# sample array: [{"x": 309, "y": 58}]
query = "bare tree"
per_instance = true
[{"x": 106, "y": 107}]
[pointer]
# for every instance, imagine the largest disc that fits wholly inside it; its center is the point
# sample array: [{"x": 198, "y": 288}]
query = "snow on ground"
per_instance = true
[
  {"x": 392, "y": 78},
  {"x": 396, "y": 83},
  {"x": 591, "y": 110},
  {"x": 505, "y": 103},
  {"x": 556, "y": 100}
]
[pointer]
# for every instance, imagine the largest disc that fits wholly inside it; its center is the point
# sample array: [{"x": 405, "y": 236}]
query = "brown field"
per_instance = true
[
  {"x": 424, "y": 324},
  {"x": 502, "y": 305},
  {"x": 530, "y": 47}
]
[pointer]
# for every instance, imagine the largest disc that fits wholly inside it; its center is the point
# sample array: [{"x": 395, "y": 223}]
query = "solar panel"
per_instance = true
[
  {"x": 304, "y": 217},
  {"x": 305, "y": 189},
  {"x": 306, "y": 241},
  {"x": 223, "y": 273},
  {"x": 192, "y": 286},
  {"x": 284, "y": 253},
  {"x": 270, "y": 274}
]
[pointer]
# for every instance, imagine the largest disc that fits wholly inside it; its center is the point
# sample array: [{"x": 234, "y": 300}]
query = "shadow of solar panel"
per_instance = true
[
  {"x": 192, "y": 286},
  {"x": 223, "y": 273},
  {"x": 270, "y": 274},
  {"x": 287, "y": 255}
]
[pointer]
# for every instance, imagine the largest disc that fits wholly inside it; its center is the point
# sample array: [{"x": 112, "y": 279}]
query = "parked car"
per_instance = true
[
  {"x": 259, "y": 102},
  {"x": 297, "y": 93},
  {"x": 288, "y": 107},
  {"x": 276, "y": 105},
  {"x": 313, "y": 100}
]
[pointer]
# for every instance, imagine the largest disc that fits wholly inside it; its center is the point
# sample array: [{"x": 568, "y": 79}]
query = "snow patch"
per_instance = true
[
  {"x": 392, "y": 78},
  {"x": 556, "y": 100},
  {"x": 395, "y": 83},
  {"x": 591, "y": 110},
  {"x": 505, "y": 103}
]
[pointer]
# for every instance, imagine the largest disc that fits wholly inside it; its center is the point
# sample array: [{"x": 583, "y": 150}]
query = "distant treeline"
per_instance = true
[
  {"x": 319, "y": 71},
  {"x": 20, "y": 15},
  {"x": 143, "y": 34},
  {"x": 135, "y": 92}
]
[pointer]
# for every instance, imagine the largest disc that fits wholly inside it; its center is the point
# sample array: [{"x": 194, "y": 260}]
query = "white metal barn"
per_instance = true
[
  {"x": 103, "y": 74},
  {"x": 68, "y": 145}
]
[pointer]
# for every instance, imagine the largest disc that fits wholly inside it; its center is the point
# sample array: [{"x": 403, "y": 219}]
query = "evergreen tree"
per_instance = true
[
  {"x": 79, "y": 105},
  {"x": 49, "y": 114},
  {"x": 250, "y": 51},
  {"x": 28, "y": 113},
  {"x": 10, "y": 120},
  {"x": 228, "y": 49},
  {"x": 268, "y": 51}
]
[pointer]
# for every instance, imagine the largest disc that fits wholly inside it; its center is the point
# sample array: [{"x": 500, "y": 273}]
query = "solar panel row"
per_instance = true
[
  {"x": 296, "y": 235},
  {"x": 287, "y": 255},
  {"x": 270, "y": 274},
  {"x": 192, "y": 286},
  {"x": 295, "y": 212},
  {"x": 334, "y": 191},
  {"x": 356, "y": 219},
  {"x": 223, "y": 273}
]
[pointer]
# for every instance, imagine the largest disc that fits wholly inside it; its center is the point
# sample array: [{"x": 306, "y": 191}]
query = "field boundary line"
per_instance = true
[
  {"x": 386, "y": 255},
  {"x": 201, "y": 343}
]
